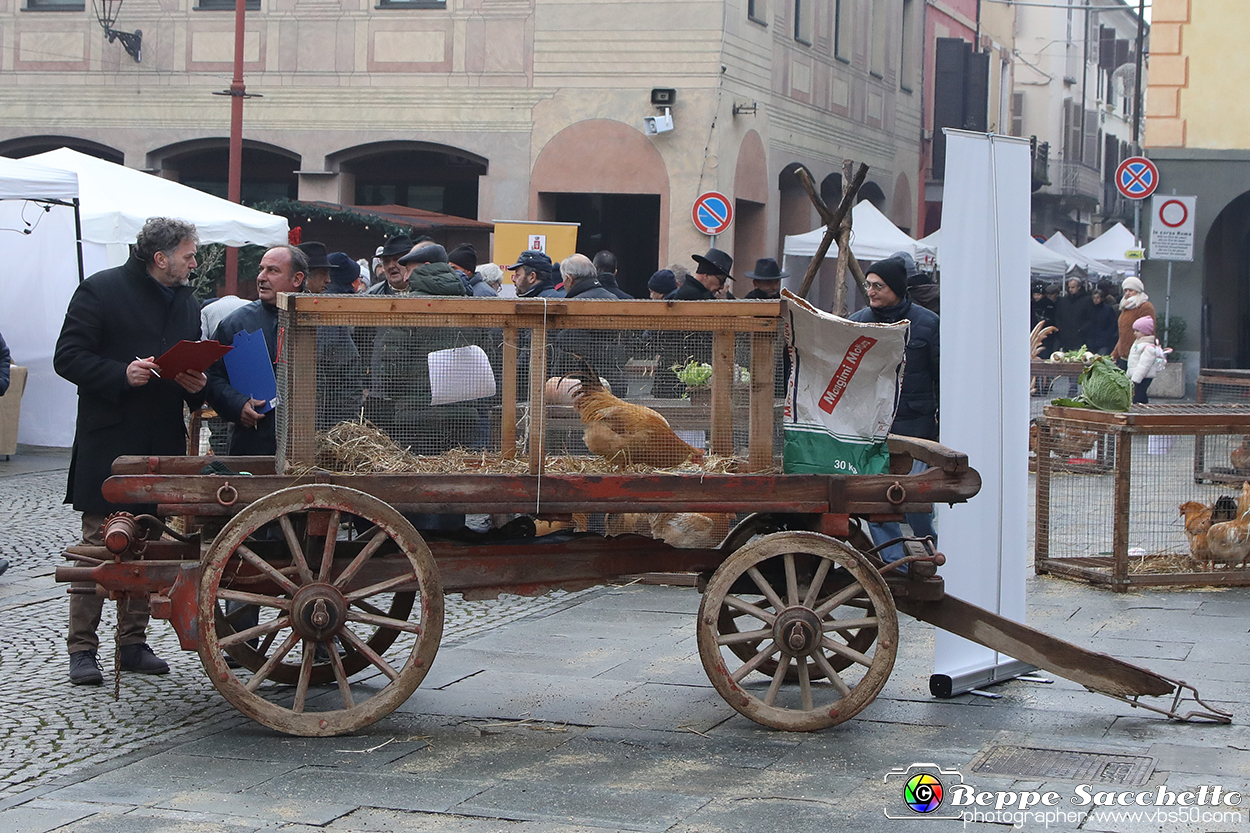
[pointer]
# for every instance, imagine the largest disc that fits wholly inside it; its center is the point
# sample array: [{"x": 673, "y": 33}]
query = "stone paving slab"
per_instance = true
[
  {"x": 373, "y": 789},
  {"x": 614, "y": 808},
  {"x": 371, "y": 748},
  {"x": 252, "y": 808},
  {"x": 32, "y": 818}
]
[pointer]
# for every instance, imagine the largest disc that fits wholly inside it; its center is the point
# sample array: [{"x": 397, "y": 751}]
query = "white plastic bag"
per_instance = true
[
  {"x": 842, "y": 392},
  {"x": 460, "y": 374}
]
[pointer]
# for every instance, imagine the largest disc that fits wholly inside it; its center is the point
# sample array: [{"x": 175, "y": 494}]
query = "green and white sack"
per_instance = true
[{"x": 842, "y": 392}]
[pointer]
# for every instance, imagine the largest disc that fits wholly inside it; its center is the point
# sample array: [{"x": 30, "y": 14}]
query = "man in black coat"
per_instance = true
[
  {"x": 603, "y": 349},
  {"x": 118, "y": 322},
  {"x": 282, "y": 269},
  {"x": 678, "y": 348},
  {"x": 605, "y": 265},
  {"x": 1074, "y": 312},
  {"x": 888, "y": 303}
]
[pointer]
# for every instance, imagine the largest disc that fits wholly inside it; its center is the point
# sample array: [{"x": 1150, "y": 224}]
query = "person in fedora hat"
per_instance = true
[
  {"x": 318, "y": 267},
  {"x": 767, "y": 279},
  {"x": 396, "y": 273},
  {"x": 713, "y": 271}
]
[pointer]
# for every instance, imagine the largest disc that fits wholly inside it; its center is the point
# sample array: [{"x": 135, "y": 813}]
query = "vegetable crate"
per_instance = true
[{"x": 1110, "y": 487}]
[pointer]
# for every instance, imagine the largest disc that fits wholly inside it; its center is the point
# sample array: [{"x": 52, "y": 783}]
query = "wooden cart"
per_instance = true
[{"x": 798, "y": 625}]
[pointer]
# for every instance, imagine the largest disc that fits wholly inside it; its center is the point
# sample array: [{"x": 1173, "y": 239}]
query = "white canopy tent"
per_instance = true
[
  {"x": 1110, "y": 247},
  {"x": 1043, "y": 263},
  {"x": 1076, "y": 259},
  {"x": 873, "y": 237},
  {"x": 40, "y": 270},
  {"x": 114, "y": 202}
]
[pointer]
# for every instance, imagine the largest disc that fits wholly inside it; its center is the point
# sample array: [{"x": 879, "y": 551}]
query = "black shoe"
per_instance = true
[
  {"x": 4, "y": 565},
  {"x": 84, "y": 668},
  {"x": 140, "y": 659}
]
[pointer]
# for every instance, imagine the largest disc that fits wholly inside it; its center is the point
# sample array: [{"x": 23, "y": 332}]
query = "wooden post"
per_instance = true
[
  {"x": 507, "y": 417},
  {"x": 844, "y": 247},
  {"x": 1041, "y": 508},
  {"x": 760, "y": 424},
  {"x": 299, "y": 355},
  {"x": 1119, "y": 540},
  {"x": 722, "y": 441},
  {"x": 832, "y": 219},
  {"x": 538, "y": 407}
]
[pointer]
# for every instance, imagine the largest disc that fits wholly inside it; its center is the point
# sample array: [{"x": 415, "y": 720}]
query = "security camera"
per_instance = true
[{"x": 652, "y": 125}]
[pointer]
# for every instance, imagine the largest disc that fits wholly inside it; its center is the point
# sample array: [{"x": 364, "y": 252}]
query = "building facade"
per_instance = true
[
  {"x": 1198, "y": 133},
  {"x": 494, "y": 109},
  {"x": 1074, "y": 91}
]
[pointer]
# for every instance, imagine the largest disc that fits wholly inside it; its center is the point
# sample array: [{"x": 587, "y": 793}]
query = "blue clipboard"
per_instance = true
[{"x": 250, "y": 369}]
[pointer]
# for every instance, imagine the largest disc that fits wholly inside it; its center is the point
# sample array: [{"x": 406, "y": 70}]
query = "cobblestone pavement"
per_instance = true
[{"x": 49, "y": 727}]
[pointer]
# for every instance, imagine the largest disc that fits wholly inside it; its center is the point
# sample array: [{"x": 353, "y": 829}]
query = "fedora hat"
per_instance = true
[
  {"x": 425, "y": 253},
  {"x": 316, "y": 253},
  {"x": 766, "y": 269},
  {"x": 715, "y": 262},
  {"x": 400, "y": 244}
]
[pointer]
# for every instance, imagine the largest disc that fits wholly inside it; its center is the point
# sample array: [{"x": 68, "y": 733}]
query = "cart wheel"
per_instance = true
[
  {"x": 751, "y": 526},
  {"x": 383, "y": 590},
  {"x": 803, "y": 628}
]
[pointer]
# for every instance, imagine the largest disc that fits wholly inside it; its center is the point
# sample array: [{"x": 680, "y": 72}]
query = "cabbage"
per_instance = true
[{"x": 1104, "y": 387}]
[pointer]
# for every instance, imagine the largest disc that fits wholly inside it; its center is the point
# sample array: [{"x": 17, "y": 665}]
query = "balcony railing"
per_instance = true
[{"x": 1076, "y": 179}]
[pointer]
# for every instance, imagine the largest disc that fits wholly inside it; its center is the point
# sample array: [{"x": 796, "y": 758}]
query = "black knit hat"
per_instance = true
[
  {"x": 663, "y": 281},
  {"x": 893, "y": 271},
  {"x": 465, "y": 256}
]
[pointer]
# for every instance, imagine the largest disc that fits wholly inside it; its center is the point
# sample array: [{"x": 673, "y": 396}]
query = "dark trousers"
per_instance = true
[
  {"x": 85, "y": 610},
  {"x": 1139, "y": 392}
]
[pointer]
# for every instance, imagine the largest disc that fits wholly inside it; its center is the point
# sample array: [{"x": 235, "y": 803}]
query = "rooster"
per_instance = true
[
  {"x": 1197, "y": 524},
  {"x": 1229, "y": 541},
  {"x": 624, "y": 433},
  {"x": 1240, "y": 456}
]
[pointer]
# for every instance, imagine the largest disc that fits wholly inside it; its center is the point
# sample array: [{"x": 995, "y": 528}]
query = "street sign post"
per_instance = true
[
  {"x": 712, "y": 213},
  {"x": 1171, "y": 239}
]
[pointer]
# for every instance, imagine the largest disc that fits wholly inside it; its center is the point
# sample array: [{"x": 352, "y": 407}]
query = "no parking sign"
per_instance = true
[
  {"x": 712, "y": 213},
  {"x": 1172, "y": 228}
]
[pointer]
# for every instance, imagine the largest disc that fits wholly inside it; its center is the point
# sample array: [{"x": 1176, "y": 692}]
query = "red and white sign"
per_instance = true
[
  {"x": 1137, "y": 177},
  {"x": 712, "y": 212},
  {"x": 538, "y": 243},
  {"x": 1172, "y": 228}
]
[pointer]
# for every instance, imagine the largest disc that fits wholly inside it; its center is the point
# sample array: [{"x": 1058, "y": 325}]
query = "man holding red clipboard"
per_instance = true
[{"x": 118, "y": 321}]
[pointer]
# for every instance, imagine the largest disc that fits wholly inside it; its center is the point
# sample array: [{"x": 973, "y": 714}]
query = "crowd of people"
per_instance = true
[{"x": 1090, "y": 315}]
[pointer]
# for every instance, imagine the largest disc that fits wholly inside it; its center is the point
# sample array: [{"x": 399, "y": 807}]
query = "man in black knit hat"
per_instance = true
[{"x": 916, "y": 416}]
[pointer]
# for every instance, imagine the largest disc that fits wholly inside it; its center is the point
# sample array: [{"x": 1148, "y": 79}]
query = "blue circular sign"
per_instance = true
[{"x": 712, "y": 213}]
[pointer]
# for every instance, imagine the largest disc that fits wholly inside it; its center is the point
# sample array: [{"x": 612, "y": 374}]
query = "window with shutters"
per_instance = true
[
  {"x": 907, "y": 47},
  {"x": 880, "y": 32},
  {"x": 842, "y": 44},
  {"x": 804, "y": 11},
  {"x": 1017, "y": 114}
]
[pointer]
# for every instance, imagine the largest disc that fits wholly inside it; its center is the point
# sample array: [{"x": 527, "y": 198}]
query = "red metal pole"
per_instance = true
[{"x": 235, "y": 175}]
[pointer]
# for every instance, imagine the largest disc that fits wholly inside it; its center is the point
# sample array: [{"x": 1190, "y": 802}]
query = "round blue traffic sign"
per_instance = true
[
  {"x": 1137, "y": 177},
  {"x": 712, "y": 212}
]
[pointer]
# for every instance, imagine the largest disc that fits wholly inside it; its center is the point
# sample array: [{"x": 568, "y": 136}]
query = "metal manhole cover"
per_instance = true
[{"x": 1065, "y": 764}]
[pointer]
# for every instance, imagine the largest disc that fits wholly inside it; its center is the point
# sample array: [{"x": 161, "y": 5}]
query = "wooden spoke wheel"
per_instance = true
[
  {"x": 756, "y": 525},
  {"x": 827, "y": 594},
  {"x": 326, "y": 611}
]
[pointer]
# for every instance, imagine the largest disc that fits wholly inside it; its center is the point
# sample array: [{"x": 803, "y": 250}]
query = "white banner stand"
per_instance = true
[{"x": 984, "y": 405}]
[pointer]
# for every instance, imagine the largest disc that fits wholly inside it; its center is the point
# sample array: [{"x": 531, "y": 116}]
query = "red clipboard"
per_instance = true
[{"x": 193, "y": 356}]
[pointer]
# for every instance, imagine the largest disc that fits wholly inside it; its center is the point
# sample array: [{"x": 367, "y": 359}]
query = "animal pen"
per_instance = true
[
  {"x": 312, "y": 588},
  {"x": 1110, "y": 487}
]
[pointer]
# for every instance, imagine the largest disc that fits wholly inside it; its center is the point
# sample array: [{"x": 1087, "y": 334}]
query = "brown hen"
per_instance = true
[{"x": 624, "y": 433}]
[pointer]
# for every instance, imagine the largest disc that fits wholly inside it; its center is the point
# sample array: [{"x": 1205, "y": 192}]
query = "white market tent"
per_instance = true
[
  {"x": 1110, "y": 247},
  {"x": 873, "y": 237},
  {"x": 1043, "y": 263},
  {"x": 114, "y": 202},
  {"x": 1063, "y": 246},
  {"x": 40, "y": 270}
]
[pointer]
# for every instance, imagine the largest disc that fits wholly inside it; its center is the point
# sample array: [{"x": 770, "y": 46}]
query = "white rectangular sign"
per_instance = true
[{"x": 1172, "y": 228}]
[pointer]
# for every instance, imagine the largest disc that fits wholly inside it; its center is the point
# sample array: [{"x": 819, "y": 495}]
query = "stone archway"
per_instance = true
[
  {"x": 203, "y": 164},
  {"x": 25, "y": 146},
  {"x": 421, "y": 175},
  {"x": 1226, "y": 288},
  {"x": 750, "y": 207},
  {"x": 609, "y": 178}
]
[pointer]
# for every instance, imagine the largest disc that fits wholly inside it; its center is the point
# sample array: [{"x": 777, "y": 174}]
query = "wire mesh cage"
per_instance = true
[
  {"x": 425, "y": 384},
  {"x": 1119, "y": 501}
]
